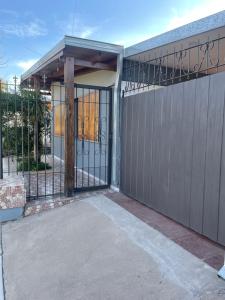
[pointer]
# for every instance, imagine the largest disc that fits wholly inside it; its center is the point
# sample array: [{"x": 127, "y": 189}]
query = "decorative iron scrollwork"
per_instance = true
[{"x": 181, "y": 65}]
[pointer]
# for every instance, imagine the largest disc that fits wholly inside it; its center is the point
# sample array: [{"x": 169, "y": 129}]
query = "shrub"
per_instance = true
[{"x": 31, "y": 165}]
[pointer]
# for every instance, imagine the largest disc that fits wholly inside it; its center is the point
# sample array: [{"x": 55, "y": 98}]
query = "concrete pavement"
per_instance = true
[
  {"x": 1, "y": 269},
  {"x": 94, "y": 249}
]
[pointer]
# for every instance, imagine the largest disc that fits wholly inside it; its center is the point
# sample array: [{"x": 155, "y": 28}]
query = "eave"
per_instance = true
[{"x": 88, "y": 54}]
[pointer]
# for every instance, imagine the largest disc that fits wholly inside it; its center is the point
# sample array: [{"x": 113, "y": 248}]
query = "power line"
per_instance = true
[{"x": 73, "y": 16}]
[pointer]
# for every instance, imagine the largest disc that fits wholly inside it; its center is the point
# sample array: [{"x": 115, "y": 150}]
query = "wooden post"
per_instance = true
[{"x": 69, "y": 139}]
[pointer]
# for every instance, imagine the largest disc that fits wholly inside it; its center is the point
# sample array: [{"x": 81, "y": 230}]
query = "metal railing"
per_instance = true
[
  {"x": 145, "y": 70},
  {"x": 32, "y": 137},
  {"x": 27, "y": 127}
]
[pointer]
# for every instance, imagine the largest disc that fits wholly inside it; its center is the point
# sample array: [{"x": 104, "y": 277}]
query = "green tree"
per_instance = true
[{"x": 25, "y": 119}]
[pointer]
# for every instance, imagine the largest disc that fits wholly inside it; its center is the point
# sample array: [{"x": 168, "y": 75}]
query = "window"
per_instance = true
[
  {"x": 87, "y": 121},
  {"x": 88, "y": 117}
]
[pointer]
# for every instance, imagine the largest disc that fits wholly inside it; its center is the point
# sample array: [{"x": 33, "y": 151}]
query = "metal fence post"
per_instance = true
[{"x": 1, "y": 155}]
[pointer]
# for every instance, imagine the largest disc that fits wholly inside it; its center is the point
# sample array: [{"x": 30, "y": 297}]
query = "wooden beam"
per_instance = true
[
  {"x": 69, "y": 139},
  {"x": 78, "y": 71},
  {"x": 56, "y": 74},
  {"x": 83, "y": 67},
  {"x": 41, "y": 65},
  {"x": 94, "y": 65},
  {"x": 60, "y": 72}
]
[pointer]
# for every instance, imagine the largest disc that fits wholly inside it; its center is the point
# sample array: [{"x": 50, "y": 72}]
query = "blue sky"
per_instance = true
[{"x": 28, "y": 29}]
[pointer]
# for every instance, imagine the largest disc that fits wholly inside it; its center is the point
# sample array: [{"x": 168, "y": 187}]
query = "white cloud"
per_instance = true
[
  {"x": 30, "y": 29},
  {"x": 26, "y": 64},
  {"x": 87, "y": 32},
  {"x": 201, "y": 10},
  {"x": 75, "y": 26}
]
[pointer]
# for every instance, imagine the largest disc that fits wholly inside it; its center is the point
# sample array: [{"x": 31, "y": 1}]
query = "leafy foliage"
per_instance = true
[{"x": 25, "y": 120}]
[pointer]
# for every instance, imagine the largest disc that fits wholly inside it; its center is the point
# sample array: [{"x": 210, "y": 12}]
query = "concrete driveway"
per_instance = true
[{"x": 94, "y": 249}]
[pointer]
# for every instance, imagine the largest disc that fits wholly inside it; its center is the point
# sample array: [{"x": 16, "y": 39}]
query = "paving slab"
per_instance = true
[
  {"x": 210, "y": 252},
  {"x": 95, "y": 249}
]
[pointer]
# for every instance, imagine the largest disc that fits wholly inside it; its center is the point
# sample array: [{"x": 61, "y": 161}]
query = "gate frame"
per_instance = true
[{"x": 110, "y": 137}]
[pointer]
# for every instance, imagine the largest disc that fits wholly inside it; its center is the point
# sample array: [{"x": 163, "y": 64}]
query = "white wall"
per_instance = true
[
  {"x": 58, "y": 91},
  {"x": 99, "y": 78}
]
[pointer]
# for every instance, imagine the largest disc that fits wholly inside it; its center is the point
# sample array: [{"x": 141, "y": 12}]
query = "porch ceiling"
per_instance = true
[{"x": 89, "y": 55}]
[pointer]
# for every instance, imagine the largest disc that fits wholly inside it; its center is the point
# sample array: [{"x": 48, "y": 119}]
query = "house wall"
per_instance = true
[
  {"x": 58, "y": 97},
  {"x": 173, "y": 152},
  {"x": 99, "y": 78}
]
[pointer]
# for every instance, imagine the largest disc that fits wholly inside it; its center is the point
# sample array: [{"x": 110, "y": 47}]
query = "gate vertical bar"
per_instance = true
[
  {"x": 37, "y": 87},
  {"x": 16, "y": 125},
  {"x": 1, "y": 156},
  {"x": 76, "y": 105},
  {"x": 69, "y": 126},
  {"x": 110, "y": 138}
]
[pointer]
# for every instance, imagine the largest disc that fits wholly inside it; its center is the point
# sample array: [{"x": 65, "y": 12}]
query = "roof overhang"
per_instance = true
[
  {"x": 88, "y": 54},
  {"x": 209, "y": 27}
]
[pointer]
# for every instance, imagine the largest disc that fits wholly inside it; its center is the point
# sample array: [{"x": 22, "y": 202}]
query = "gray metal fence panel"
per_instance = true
[
  {"x": 199, "y": 153},
  {"x": 221, "y": 223},
  {"x": 213, "y": 155},
  {"x": 148, "y": 146},
  {"x": 173, "y": 152}
]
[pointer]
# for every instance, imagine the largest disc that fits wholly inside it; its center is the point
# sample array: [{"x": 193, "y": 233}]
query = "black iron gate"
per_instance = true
[
  {"x": 92, "y": 137},
  {"x": 31, "y": 125},
  {"x": 32, "y": 131}
]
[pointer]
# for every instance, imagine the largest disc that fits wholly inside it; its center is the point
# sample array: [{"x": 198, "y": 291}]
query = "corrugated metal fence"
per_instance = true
[{"x": 173, "y": 152}]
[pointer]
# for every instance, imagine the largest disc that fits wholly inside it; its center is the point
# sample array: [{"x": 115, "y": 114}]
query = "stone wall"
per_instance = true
[{"x": 12, "y": 198}]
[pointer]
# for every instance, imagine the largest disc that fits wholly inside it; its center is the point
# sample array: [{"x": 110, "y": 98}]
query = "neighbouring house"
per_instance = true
[
  {"x": 3, "y": 85},
  {"x": 147, "y": 119}
]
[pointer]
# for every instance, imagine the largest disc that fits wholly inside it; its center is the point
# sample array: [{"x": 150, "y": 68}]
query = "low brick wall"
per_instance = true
[
  {"x": 12, "y": 198},
  {"x": 37, "y": 206}
]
